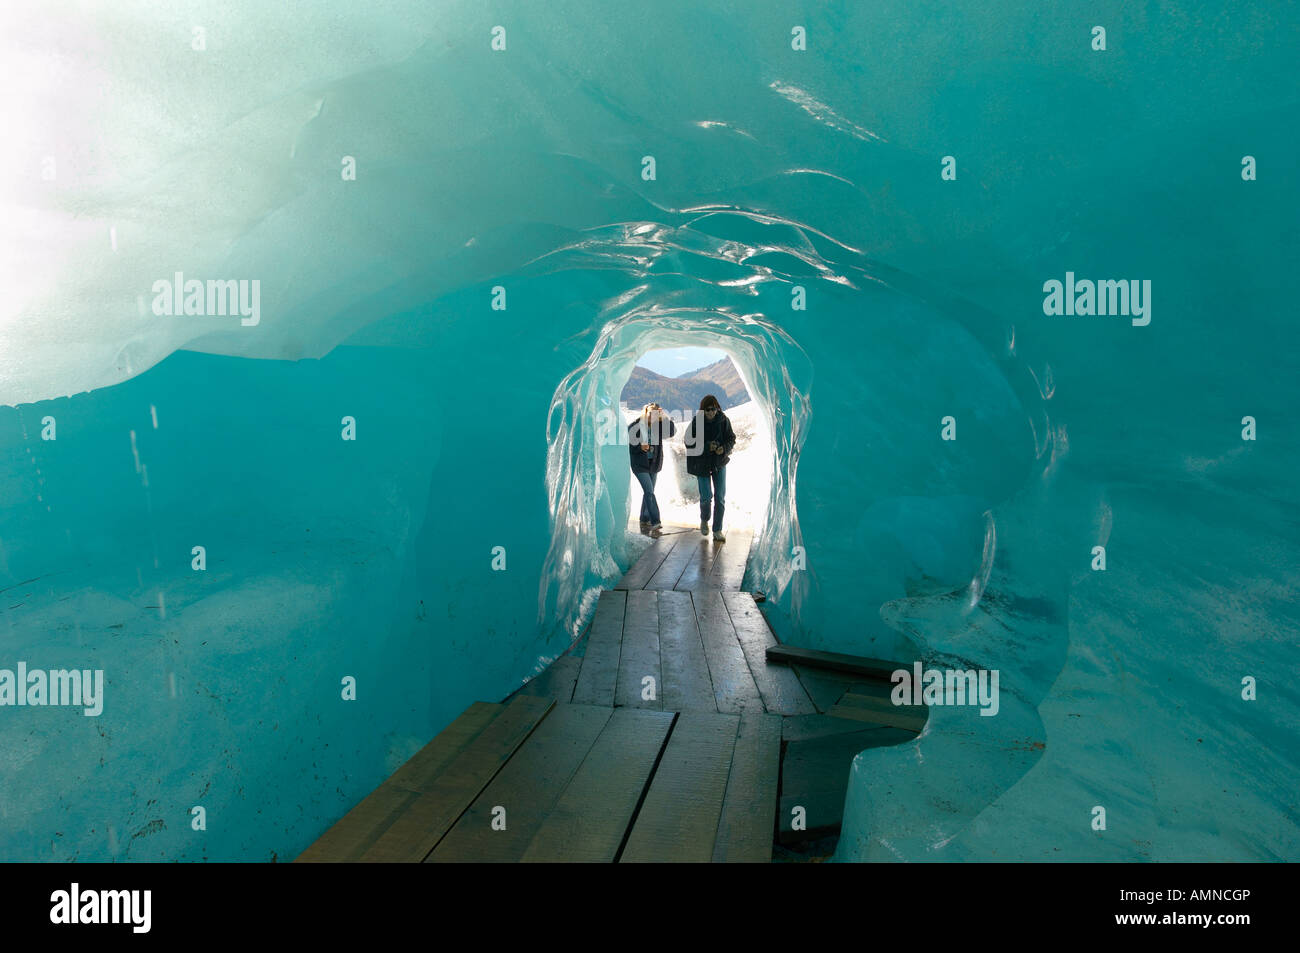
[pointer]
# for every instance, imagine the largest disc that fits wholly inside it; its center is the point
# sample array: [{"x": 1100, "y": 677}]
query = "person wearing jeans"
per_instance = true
[
  {"x": 649, "y": 505},
  {"x": 645, "y": 444},
  {"x": 709, "y": 441},
  {"x": 716, "y": 495}
]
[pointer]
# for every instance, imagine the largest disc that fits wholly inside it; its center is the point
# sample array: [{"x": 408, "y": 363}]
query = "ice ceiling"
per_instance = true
[{"x": 460, "y": 248}]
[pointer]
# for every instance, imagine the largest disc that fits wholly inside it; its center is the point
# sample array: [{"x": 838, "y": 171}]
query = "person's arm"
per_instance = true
[
  {"x": 691, "y": 441},
  {"x": 728, "y": 437},
  {"x": 636, "y": 437}
]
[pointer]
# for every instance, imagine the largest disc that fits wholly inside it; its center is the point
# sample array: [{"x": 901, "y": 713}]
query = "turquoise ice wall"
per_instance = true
[{"x": 380, "y": 171}]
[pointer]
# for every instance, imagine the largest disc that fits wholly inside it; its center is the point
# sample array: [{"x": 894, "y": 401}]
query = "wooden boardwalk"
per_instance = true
[{"x": 663, "y": 735}]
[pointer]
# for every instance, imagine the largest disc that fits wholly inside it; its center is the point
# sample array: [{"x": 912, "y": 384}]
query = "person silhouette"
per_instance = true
[
  {"x": 709, "y": 440},
  {"x": 645, "y": 444}
]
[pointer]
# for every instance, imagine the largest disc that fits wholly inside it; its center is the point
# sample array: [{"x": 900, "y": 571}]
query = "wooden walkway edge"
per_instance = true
[{"x": 683, "y": 733}]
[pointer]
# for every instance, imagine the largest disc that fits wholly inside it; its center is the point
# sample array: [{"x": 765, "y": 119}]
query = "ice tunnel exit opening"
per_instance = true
[
  {"x": 588, "y": 475},
  {"x": 678, "y": 380}
]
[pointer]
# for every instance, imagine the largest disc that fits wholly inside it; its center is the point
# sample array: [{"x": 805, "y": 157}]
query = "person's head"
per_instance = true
[
  {"x": 710, "y": 406},
  {"x": 651, "y": 412}
]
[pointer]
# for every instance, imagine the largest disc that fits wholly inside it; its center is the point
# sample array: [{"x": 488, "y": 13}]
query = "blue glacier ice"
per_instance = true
[{"x": 391, "y": 180}]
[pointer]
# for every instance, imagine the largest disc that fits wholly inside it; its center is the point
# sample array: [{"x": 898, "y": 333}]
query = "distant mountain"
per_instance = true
[
  {"x": 724, "y": 374},
  {"x": 677, "y": 394}
]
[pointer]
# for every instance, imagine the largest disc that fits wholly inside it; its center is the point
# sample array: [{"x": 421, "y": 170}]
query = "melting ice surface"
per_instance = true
[{"x": 136, "y": 156}]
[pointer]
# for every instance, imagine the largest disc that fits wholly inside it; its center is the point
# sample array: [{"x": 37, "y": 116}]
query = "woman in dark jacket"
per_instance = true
[
  {"x": 645, "y": 445},
  {"x": 709, "y": 440}
]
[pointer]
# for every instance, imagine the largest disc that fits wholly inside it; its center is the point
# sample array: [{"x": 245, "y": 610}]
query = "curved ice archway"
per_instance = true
[{"x": 586, "y": 481}]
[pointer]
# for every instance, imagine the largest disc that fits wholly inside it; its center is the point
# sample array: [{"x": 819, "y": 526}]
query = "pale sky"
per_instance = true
[{"x": 675, "y": 361}]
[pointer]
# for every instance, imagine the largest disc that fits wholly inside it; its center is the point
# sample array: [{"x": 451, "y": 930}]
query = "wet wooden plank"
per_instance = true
[
  {"x": 687, "y": 685},
  {"x": 747, "y": 826},
  {"x": 778, "y": 684},
  {"x": 733, "y": 684},
  {"x": 808, "y": 727},
  {"x": 730, "y": 561},
  {"x": 428, "y": 818},
  {"x": 591, "y": 818},
  {"x": 699, "y": 568},
  {"x": 835, "y": 661},
  {"x": 874, "y": 689},
  {"x": 880, "y": 711},
  {"x": 640, "y": 655},
  {"x": 526, "y": 788},
  {"x": 648, "y": 564},
  {"x": 824, "y": 687},
  {"x": 557, "y": 681},
  {"x": 678, "y": 822},
  {"x": 347, "y": 840},
  {"x": 599, "y": 674},
  {"x": 426, "y": 764},
  {"x": 357, "y": 830},
  {"x": 686, "y": 547}
]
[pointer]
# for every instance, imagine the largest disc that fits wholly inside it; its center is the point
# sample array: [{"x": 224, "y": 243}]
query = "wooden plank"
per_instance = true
[
  {"x": 730, "y": 562},
  {"x": 649, "y": 562},
  {"x": 686, "y": 546},
  {"x": 699, "y": 568},
  {"x": 884, "y": 718},
  {"x": 640, "y": 655},
  {"x": 824, "y": 687},
  {"x": 879, "y": 701},
  {"x": 526, "y": 788},
  {"x": 417, "y": 831},
  {"x": 874, "y": 689},
  {"x": 357, "y": 830},
  {"x": 347, "y": 840},
  {"x": 778, "y": 684},
  {"x": 880, "y": 711},
  {"x": 808, "y": 727},
  {"x": 590, "y": 820},
  {"x": 687, "y": 685},
  {"x": 853, "y": 664},
  {"x": 733, "y": 683},
  {"x": 556, "y": 681},
  {"x": 678, "y": 822},
  {"x": 599, "y": 674},
  {"x": 427, "y": 763},
  {"x": 747, "y": 826}
]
